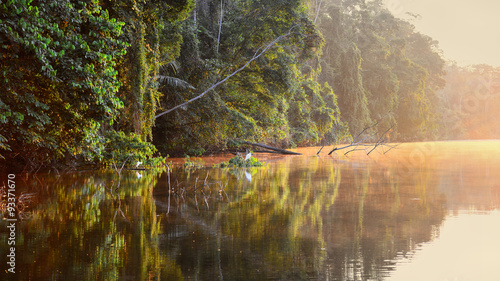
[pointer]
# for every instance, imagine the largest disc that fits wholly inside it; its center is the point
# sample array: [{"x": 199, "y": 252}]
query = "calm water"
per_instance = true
[{"x": 424, "y": 211}]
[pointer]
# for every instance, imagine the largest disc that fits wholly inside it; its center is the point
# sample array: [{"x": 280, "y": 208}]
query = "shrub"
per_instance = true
[
  {"x": 130, "y": 149},
  {"x": 238, "y": 161}
]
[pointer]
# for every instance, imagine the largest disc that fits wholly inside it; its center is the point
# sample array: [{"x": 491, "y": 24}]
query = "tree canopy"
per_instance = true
[
  {"x": 59, "y": 78},
  {"x": 83, "y": 80}
]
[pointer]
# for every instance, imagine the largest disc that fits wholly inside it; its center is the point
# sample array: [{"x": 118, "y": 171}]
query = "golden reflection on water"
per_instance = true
[
  {"x": 355, "y": 217},
  {"x": 360, "y": 214},
  {"x": 468, "y": 248}
]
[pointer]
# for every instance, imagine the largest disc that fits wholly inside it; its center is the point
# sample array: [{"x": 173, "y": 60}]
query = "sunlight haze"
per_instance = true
[{"x": 466, "y": 30}]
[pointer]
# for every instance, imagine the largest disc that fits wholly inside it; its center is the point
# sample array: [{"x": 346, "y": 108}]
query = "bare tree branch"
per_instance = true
[
  {"x": 381, "y": 140},
  {"x": 368, "y": 148},
  {"x": 257, "y": 54},
  {"x": 391, "y": 147},
  {"x": 282, "y": 151},
  {"x": 355, "y": 141},
  {"x": 318, "y": 7},
  {"x": 220, "y": 24},
  {"x": 355, "y": 149},
  {"x": 319, "y": 151}
]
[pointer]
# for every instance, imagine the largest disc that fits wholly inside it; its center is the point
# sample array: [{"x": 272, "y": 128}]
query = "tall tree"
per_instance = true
[
  {"x": 59, "y": 78},
  {"x": 469, "y": 101},
  {"x": 254, "y": 104},
  {"x": 390, "y": 75},
  {"x": 342, "y": 69},
  {"x": 153, "y": 32}
]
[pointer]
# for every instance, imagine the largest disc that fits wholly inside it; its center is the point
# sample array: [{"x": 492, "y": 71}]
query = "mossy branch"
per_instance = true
[{"x": 256, "y": 55}]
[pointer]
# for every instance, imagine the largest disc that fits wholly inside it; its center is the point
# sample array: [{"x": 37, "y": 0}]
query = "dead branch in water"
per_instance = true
[
  {"x": 358, "y": 144},
  {"x": 317, "y": 153},
  {"x": 282, "y": 151},
  {"x": 381, "y": 140},
  {"x": 243, "y": 152},
  {"x": 355, "y": 142}
]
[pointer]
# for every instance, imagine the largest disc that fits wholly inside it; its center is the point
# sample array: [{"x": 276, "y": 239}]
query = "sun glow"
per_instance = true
[
  {"x": 470, "y": 261},
  {"x": 465, "y": 29}
]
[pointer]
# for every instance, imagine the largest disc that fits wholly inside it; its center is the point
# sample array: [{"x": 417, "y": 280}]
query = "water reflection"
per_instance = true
[
  {"x": 297, "y": 218},
  {"x": 308, "y": 218},
  {"x": 467, "y": 248}
]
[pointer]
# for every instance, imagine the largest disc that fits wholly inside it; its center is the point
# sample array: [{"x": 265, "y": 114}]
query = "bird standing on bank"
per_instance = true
[{"x": 249, "y": 154}]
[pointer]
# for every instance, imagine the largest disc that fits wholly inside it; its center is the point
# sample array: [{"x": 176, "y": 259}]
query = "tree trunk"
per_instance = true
[{"x": 282, "y": 151}]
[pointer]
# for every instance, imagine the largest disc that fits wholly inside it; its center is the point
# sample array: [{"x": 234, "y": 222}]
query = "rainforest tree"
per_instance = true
[
  {"x": 275, "y": 98},
  {"x": 88, "y": 80},
  {"x": 76, "y": 73},
  {"x": 59, "y": 78},
  {"x": 151, "y": 28},
  {"x": 381, "y": 69},
  {"x": 470, "y": 100}
]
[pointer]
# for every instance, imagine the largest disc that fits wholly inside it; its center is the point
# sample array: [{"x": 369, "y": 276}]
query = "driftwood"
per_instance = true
[
  {"x": 319, "y": 151},
  {"x": 356, "y": 143},
  {"x": 282, "y": 151},
  {"x": 381, "y": 141}
]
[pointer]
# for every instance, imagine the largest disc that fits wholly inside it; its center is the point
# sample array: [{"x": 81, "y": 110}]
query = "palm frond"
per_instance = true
[
  {"x": 171, "y": 67},
  {"x": 174, "y": 82}
]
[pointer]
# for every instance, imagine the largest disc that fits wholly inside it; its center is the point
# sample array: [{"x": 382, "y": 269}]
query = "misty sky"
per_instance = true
[{"x": 468, "y": 31}]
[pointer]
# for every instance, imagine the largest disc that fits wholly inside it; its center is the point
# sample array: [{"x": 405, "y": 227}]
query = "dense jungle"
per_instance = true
[{"x": 91, "y": 82}]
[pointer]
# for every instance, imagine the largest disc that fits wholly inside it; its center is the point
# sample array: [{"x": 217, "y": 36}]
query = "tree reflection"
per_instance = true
[
  {"x": 295, "y": 219},
  {"x": 74, "y": 233},
  {"x": 308, "y": 220}
]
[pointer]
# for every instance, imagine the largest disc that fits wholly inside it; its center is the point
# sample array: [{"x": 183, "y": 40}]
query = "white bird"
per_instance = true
[
  {"x": 249, "y": 154},
  {"x": 138, "y": 163},
  {"x": 248, "y": 176},
  {"x": 138, "y": 175}
]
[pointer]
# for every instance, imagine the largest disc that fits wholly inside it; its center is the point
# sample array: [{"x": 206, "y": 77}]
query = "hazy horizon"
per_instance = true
[{"x": 462, "y": 28}]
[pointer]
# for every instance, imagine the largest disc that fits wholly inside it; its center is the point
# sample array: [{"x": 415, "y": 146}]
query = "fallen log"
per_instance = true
[
  {"x": 282, "y": 151},
  {"x": 235, "y": 152}
]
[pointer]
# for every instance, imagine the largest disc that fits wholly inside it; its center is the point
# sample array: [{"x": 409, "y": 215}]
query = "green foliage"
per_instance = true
[
  {"x": 82, "y": 78},
  {"x": 58, "y": 76},
  {"x": 152, "y": 29},
  {"x": 239, "y": 162},
  {"x": 381, "y": 69},
  {"x": 314, "y": 115},
  {"x": 260, "y": 102},
  {"x": 92, "y": 147},
  {"x": 190, "y": 163},
  {"x": 196, "y": 151},
  {"x": 70, "y": 69},
  {"x": 344, "y": 72},
  {"x": 120, "y": 149}
]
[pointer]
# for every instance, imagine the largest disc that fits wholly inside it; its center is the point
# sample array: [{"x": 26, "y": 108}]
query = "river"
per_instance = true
[{"x": 421, "y": 211}]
